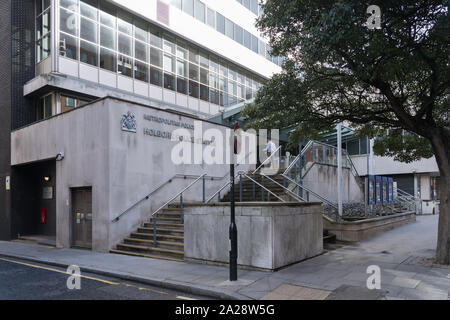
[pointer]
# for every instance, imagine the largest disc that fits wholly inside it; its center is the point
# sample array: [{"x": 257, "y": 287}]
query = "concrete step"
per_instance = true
[
  {"x": 139, "y": 235},
  {"x": 161, "y": 230},
  {"x": 163, "y": 225},
  {"x": 137, "y": 254},
  {"x": 159, "y": 244},
  {"x": 166, "y": 219},
  {"x": 148, "y": 249}
]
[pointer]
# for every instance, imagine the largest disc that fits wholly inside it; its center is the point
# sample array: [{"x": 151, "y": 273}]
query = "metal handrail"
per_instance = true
[
  {"x": 178, "y": 194},
  {"x": 286, "y": 189},
  {"x": 312, "y": 192},
  {"x": 178, "y": 175},
  {"x": 245, "y": 175},
  {"x": 265, "y": 161}
]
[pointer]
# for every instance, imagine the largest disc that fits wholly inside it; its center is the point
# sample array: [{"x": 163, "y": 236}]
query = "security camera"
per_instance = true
[{"x": 60, "y": 156}]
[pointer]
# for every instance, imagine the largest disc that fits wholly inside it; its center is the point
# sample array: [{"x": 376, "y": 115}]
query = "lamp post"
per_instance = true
[{"x": 233, "y": 229}]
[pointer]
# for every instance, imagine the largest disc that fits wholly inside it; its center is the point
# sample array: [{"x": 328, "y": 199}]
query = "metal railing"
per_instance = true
[
  {"x": 409, "y": 201},
  {"x": 268, "y": 159},
  {"x": 179, "y": 194}
]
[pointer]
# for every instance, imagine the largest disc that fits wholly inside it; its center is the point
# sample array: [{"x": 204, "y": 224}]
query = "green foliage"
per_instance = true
[{"x": 373, "y": 80}]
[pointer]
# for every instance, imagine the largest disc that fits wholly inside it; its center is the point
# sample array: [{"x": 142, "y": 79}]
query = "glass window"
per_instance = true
[
  {"x": 248, "y": 93},
  {"x": 181, "y": 68},
  {"x": 204, "y": 93},
  {"x": 204, "y": 61},
  {"x": 363, "y": 146},
  {"x": 200, "y": 11},
  {"x": 223, "y": 99},
  {"x": 141, "y": 71},
  {"x": 69, "y": 4},
  {"x": 229, "y": 28},
  {"x": 238, "y": 36},
  {"x": 108, "y": 60},
  {"x": 182, "y": 51},
  {"x": 204, "y": 76},
  {"x": 188, "y": 7},
  {"x": 223, "y": 84},
  {"x": 88, "y": 53},
  {"x": 68, "y": 46},
  {"x": 155, "y": 39},
  {"x": 254, "y": 44},
  {"x": 262, "y": 48},
  {"x": 124, "y": 66},
  {"x": 213, "y": 80},
  {"x": 223, "y": 71},
  {"x": 232, "y": 88},
  {"x": 254, "y": 6},
  {"x": 246, "y": 3},
  {"x": 107, "y": 37},
  {"x": 176, "y": 3},
  {"x": 211, "y": 15},
  {"x": 141, "y": 33},
  {"x": 213, "y": 96},
  {"x": 68, "y": 22},
  {"x": 353, "y": 147},
  {"x": 193, "y": 72},
  {"x": 156, "y": 57},
  {"x": 141, "y": 51},
  {"x": 240, "y": 91},
  {"x": 169, "y": 63},
  {"x": 88, "y": 30},
  {"x": 38, "y": 7},
  {"x": 193, "y": 55},
  {"x": 232, "y": 74},
  {"x": 67, "y": 103},
  {"x": 107, "y": 19},
  {"x": 48, "y": 106},
  {"x": 220, "y": 23},
  {"x": 232, "y": 100},
  {"x": 169, "y": 81},
  {"x": 155, "y": 76},
  {"x": 194, "y": 89},
  {"x": 182, "y": 85},
  {"x": 124, "y": 27},
  {"x": 169, "y": 46},
  {"x": 89, "y": 10},
  {"x": 124, "y": 44},
  {"x": 43, "y": 48},
  {"x": 247, "y": 39},
  {"x": 214, "y": 66}
]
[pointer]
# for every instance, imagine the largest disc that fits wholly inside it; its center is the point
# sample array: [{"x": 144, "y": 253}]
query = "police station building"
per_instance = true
[{"x": 90, "y": 95}]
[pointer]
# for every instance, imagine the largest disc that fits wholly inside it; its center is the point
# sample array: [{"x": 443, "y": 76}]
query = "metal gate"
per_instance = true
[{"x": 82, "y": 217}]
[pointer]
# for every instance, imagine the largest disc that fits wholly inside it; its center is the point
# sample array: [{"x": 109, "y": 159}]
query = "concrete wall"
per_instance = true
[
  {"x": 355, "y": 231},
  {"x": 270, "y": 235},
  {"x": 322, "y": 179},
  {"x": 121, "y": 167}
]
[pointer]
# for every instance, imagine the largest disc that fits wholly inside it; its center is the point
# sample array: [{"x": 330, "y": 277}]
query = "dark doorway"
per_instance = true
[
  {"x": 82, "y": 217},
  {"x": 33, "y": 193}
]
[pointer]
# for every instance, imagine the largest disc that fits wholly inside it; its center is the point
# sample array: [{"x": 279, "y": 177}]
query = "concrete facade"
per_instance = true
[
  {"x": 121, "y": 167},
  {"x": 270, "y": 235}
]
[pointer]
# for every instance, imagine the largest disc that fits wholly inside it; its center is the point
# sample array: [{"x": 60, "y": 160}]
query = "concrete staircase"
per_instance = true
[
  {"x": 251, "y": 192},
  {"x": 169, "y": 238}
]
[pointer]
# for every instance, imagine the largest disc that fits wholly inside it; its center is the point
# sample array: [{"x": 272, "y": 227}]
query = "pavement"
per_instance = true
[{"x": 404, "y": 256}]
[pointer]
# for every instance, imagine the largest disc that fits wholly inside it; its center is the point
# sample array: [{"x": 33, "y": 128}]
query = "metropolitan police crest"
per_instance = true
[{"x": 129, "y": 122}]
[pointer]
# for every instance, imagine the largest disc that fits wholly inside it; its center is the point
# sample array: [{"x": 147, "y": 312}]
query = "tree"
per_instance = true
[{"x": 394, "y": 78}]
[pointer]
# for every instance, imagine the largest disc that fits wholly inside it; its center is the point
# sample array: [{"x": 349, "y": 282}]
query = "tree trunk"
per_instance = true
[{"x": 441, "y": 147}]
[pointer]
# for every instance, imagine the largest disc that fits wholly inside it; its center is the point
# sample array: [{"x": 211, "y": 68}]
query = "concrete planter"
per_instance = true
[
  {"x": 354, "y": 231},
  {"x": 270, "y": 235}
]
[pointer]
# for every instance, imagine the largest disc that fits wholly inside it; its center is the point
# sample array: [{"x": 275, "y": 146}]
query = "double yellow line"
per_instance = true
[{"x": 81, "y": 276}]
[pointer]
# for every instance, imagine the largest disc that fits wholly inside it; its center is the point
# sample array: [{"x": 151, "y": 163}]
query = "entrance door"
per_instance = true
[{"x": 82, "y": 217}]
